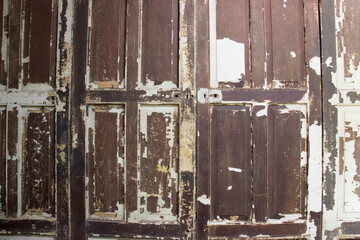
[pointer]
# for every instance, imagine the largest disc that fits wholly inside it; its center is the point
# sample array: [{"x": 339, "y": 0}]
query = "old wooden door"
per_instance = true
[
  {"x": 259, "y": 119},
  {"x": 341, "y": 56},
  {"x": 133, "y": 127},
  {"x": 33, "y": 120}
]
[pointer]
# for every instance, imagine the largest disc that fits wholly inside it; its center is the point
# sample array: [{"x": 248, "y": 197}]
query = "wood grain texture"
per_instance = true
[
  {"x": 285, "y": 146},
  {"x": 3, "y": 181},
  {"x": 287, "y": 44},
  {"x": 38, "y": 165},
  {"x": 159, "y": 44},
  {"x": 231, "y": 162},
  {"x": 106, "y": 162},
  {"x": 159, "y": 159},
  {"x": 39, "y": 42},
  {"x": 107, "y": 43}
]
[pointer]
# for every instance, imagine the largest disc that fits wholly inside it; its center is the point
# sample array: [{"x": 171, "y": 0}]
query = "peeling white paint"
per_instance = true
[
  {"x": 315, "y": 64},
  {"x": 232, "y": 169},
  {"x": 230, "y": 61},
  {"x": 152, "y": 89},
  {"x": 204, "y": 199},
  {"x": 315, "y": 175},
  {"x": 328, "y": 62},
  {"x": 293, "y": 54}
]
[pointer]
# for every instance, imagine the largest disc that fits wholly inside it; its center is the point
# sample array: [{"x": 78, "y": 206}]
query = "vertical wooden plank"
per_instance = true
[
  {"x": 12, "y": 163},
  {"x": 14, "y": 43},
  {"x": 64, "y": 21},
  {"x": 3, "y": 29},
  {"x": 41, "y": 41},
  {"x": 132, "y": 43},
  {"x": 232, "y": 43},
  {"x": 158, "y": 162},
  {"x": 77, "y": 160},
  {"x": 285, "y": 150},
  {"x": 260, "y": 192},
  {"x": 38, "y": 165},
  {"x": 202, "y": 76},
  {"x": 258, "y": 53},
  {"x": 3, "y": 185},
  {"x": 231, "y": 162},
  {"x": 131, "y": 160},
  {"x": 107, "y": 44},
  {"x": 287, "y": 19},
  {"x": 159, "y": 43}
]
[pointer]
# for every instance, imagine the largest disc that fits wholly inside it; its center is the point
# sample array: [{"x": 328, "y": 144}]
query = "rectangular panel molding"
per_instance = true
[
  {"x": 105, "y": 137},
  {"x": 258, "y": 162},
  {"x": 158, "y": 163}
]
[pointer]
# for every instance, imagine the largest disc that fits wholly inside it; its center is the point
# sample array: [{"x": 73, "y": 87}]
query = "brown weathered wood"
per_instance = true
[
  {"x": 284, "y": 158},
  {"x": 14, "y": 43},
  {"x": 231, "y": 162},
  {"x": 12, "y": 162},
  {"x": 260, "y": 190},
  {"x": 258, "y": 54},
  {"x": 3, "y": 77},
  {"x": 40, "y": 41},
  {"x": 3, "y": 160},
  {"x": 106, "y": 162},
  {"x": 230, "y": 13},
  {"x": 107, "y": 43},
  {"x": 131, "y": 157},
  {"x": 287, "y": 49},
  {"x": 38, "y": 165},
  {"x": 253, "y": 230},
  {"x": 77, "y": 158},
  {"x": 159, "y": 61}
]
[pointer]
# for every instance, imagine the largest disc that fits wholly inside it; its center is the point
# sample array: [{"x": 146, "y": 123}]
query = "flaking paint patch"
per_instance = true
[
  {"x": 237, "y": 170},
  {"x": 315, "y": 173},
  {"x": 230, "y": 61},
  {"x": 315, "y": 64},
  {"x": 204, "y": 199}
]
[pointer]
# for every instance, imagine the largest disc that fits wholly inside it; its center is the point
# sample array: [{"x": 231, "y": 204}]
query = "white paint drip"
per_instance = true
[
  {"x": 293, "y": 54},
  {"x": 229, "y": 188},
  {"x": 232, "y": 169},
  {"x": 230, "y": 61},
  {"x": 315, "y": 64},
  {"x": 204, "y": 199}
]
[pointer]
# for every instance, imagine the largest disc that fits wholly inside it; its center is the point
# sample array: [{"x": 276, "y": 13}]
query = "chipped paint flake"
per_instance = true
[
  {"x": 204, "y": 199},
  {"x": 232, "y": 169},
  {"x": 315, "y": 64}
]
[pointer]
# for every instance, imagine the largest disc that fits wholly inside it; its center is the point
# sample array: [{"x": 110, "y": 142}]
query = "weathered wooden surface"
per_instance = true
[
  {"x": 264, "y": 60},
  {"x": 341, "y": 200},
  {"x": 34, "y": 117},
  {"x": 133, "y": 127}
]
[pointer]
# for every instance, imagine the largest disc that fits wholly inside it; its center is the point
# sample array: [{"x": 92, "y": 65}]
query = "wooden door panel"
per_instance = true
[
  {"x": 231, "y": 162},
  {"x": 106, "y": 45},
  {"x": 105, "y": 136},
  {"x": 38, "y": 163},
  {"x": 132, "y": 113},
  {"x": 159, "y": 55},
  {"x": 158, "y": 163},
  {"x": 33, "y": 117},
  {"x": 264, "y": 71}
]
